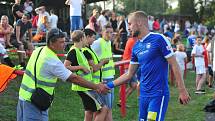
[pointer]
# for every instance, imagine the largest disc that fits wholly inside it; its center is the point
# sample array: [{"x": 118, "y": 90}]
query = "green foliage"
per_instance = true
[{"x": 152, "y": 7}]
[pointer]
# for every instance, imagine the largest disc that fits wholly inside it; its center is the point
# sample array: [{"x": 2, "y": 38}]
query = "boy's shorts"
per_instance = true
[
  {"x": 210, "y": 71},
  {"x": 200, "y": 69},
  {"x": 91, "y": 100},
  {"x": 108, "y": 97},
  {"x": 153, "y": 108}
]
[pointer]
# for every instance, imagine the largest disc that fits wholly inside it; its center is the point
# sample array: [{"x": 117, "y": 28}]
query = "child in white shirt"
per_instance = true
[
  {"x": 197, "y": 53},
  {"x": 181, "y": 58}
]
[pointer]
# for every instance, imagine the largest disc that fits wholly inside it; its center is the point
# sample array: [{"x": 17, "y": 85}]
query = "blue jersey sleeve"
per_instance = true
[
  {"x": 134, "y": 59},
  {"x": 165, "y": 47}
]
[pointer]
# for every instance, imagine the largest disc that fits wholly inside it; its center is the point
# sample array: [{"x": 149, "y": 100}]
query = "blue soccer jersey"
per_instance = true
[
  {"x": 191, "y": 40},
  {"x": 151, "y": 53}
]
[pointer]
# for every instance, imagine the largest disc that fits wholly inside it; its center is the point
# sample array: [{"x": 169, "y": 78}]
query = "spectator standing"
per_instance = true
[
  {"x": 150, "y": 22},
  {"x": 75, "y": 13},
  {"x": 17, "y": 10},
  {"x": 177, "y": 27},
  {"x": 122, "y": 31},
  {"x": 197, "y": 53},
  {"x": 102, "y": 47},
  {"x": 102, "y": 20},
  {"x": 93, "y": 24},
  {"x": 191, "y": 40},
  {"x": 181, "y": 58},
  {"x": 127, "y": 56},
  {"x": 53, "y": 19},
  {"x": 113, "y": 21},
  {"x": 156, "y": 25},
  {"x": 116, "y": 44}
]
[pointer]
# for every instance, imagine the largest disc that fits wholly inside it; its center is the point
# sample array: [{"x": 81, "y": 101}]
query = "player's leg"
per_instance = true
[{"x": 157, "y": 108}]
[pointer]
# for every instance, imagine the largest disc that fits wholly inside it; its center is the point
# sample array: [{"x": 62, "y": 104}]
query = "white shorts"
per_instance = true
[{"x": 200, "y": 69}]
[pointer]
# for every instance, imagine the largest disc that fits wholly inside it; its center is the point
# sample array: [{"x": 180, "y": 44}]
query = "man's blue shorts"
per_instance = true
[
  {"x": 26, "y": 111},
  {"x": 153, "y": 108},
  {"x": 75, "y": 23}
]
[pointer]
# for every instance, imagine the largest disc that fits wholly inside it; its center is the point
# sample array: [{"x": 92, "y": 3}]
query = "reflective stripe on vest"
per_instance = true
[
  {"x": 107, "y": 68},
  {"x": 82, "y": 61},
  {"x": 28, "y": 80},
  {"x": 49, "y": 84},
  {"x": 26, "y": 88},
  {"x": 106, "y": 52}
]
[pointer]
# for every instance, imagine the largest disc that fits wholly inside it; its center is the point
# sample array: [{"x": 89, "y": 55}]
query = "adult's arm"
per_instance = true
[
  {"x": 18, "y": 34},
  {"x": 101, "y": 88},
  {"x": 183, "y": 94},
  {"x": 127, "y": 76},
  {"x": 30, "y": 34}
]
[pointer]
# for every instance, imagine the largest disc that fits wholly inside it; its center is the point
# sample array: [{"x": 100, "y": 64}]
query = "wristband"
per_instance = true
[{"x": 110, "y": 84}]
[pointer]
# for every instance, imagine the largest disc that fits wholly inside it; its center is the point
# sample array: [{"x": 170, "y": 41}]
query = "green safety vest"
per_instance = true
[
  {"x": 106, "y": 52},
  {"x": 28, "y": 81},
  {"x": 95, "y": 75},
  {"x": 82, "y": 61}
]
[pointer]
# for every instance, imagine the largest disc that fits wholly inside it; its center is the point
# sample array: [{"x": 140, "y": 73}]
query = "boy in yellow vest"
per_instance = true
[
  {"x": 77, "y": 62},
  {"x": 102, "y": 47}
]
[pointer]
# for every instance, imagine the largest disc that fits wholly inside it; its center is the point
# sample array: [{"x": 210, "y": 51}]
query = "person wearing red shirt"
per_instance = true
[
  {"x": 127, "y": 56},
  {"x": 156, "y": 25}
]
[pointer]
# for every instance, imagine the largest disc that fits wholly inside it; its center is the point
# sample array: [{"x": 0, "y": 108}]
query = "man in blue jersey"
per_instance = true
[{"x": 151, "y": 54}]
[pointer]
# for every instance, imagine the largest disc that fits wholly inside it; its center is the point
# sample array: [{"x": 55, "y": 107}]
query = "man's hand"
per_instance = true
[
  {"x": 85, "y": 70},
  {"x": 101, "y": 88},
  {"x": 105, "y": 61},
  {"x": 184, "y": 96}
]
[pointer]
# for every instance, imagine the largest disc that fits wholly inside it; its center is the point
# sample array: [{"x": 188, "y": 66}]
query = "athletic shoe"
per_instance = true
[{"x": 200, "y": 92}]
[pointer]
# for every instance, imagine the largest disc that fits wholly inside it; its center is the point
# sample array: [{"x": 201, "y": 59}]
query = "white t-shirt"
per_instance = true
[
  {"x": 41, "y": 15},
  {"x": 198, "y": 50},
  {"x": 53, "y": 21},
  {"x": 28, "y": 7},
  {"x": 55, "y": 68},
  {"x": 150, "y": 23},
  {"x": 102, "y": 20},
  {"x": 177, "y": 27},
  {"x": 75, "y": 7},
  {"x": 180, "y": 56}
]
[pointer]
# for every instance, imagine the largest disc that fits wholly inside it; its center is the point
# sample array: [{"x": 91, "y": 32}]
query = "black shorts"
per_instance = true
[
  {"x": 210, "y": 71},
  {"x": 91, "y": 100}
]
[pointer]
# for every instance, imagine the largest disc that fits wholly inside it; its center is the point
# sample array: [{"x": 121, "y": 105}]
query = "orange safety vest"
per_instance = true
[{"x": 6, "y": 73}]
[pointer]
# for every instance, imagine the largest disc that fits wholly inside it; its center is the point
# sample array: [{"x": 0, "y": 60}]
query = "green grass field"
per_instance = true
[{"x": 67, "y": 104}]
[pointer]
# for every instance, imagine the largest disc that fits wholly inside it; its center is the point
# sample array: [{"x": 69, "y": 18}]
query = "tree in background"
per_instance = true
[{"x": 152, "y": 7}]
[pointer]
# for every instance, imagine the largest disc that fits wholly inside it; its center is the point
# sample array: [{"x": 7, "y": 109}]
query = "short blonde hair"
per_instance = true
[
  {"x": 138, "y": 15},
  {"x": 77, "y": 35},
  {"x": 180, "y": 47}
]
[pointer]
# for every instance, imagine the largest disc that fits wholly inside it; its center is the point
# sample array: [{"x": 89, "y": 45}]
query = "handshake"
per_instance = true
[{"x": 104, "y": 88}]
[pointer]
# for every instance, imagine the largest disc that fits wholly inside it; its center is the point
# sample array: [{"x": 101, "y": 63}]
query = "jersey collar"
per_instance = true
[{"x": 141, "y": 40}]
